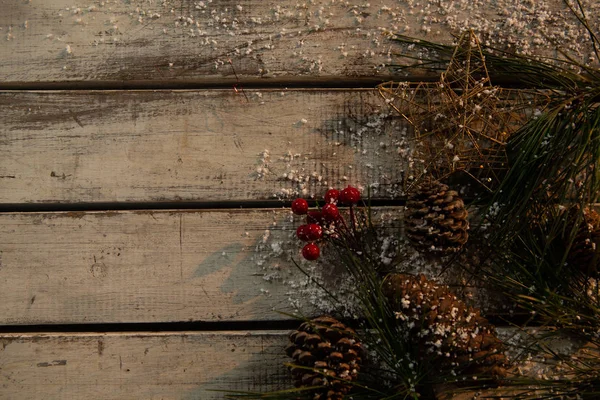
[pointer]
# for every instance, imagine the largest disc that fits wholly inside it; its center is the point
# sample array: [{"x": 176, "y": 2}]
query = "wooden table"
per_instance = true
[{"x": 147, "y": 152}]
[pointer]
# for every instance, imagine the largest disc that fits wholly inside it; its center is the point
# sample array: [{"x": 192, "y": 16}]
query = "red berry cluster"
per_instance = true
[{"x": 316, "y": 220}]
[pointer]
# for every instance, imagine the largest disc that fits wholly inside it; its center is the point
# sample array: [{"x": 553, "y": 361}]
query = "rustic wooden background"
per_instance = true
[{"x": 147, "y": 152}]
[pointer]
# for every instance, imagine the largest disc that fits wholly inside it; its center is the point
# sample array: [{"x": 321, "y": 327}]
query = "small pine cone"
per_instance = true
[
  {"x": 585, "y": 250},
  {"x": 326, "y": 354},
  {"x": 444, "y": 327},
  {"x": 436, "y": 219}
]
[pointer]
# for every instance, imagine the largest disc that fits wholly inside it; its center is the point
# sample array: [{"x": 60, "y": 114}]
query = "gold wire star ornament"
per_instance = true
[{"x": 462, "y": 122}]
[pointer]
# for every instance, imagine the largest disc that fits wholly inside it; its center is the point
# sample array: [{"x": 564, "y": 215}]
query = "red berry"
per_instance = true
[
  {"x": 314, "y": 217},
  {"x": 302, "y": 233},
  {"x": 299, "y": 206},
  {"x": 314, "y": 232},
  {"x": 332, "y": 196},
  {"x": 311, "y": 252},
  {"x": 350, "y": 195},
  {"x": 330, "y": 212}
]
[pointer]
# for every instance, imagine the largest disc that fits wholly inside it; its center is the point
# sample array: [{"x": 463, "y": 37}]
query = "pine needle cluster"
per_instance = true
[
  {"x": 536, "y": 214},
  {"x": 541, "y": 206}
]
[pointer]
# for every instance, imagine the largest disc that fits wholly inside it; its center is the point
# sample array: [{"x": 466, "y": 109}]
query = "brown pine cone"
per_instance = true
[
  {"x": 326, "y": 354},
  {"x": 436, "y": 219},
  {"x": 584, "y": 253},
  {"x": 444, "y": 328}
]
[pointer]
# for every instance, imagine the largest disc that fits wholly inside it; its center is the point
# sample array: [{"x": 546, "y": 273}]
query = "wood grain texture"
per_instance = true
[
  {"x": 115, "y": 40},
  {"x": 154, "y": 266},
  {"x": 210, "y": 145},
  {"x": 174, "y": 365},
  {"x": 65, "y": 268},
  {"x": 182, "y": 365}
]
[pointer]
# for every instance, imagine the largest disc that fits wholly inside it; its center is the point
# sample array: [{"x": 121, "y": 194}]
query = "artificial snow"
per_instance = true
[{"x": 330, "y": 37}]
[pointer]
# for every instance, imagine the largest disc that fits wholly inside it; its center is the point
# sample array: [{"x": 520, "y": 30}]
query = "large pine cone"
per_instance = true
[
  {"x": 326, "y": 354},
  {"x": 436, "y": 219},
  {"x": 585, "y": 250},
  {"x": 444, "y": 329}
]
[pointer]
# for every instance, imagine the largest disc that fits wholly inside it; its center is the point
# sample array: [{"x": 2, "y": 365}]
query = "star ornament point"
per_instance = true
[{"x": 462, "y": 122}]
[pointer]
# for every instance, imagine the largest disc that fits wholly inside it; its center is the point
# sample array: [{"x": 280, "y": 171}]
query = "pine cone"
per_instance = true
[
  {"x": 444, "y": 329},
  {"x": 326, "y": 354},
  {"x": 584, "y": 253},
  {"x": 436, "y": 219}
]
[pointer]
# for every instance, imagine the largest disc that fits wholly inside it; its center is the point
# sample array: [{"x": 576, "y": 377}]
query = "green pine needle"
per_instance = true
[{"x": 536, "y": 212}]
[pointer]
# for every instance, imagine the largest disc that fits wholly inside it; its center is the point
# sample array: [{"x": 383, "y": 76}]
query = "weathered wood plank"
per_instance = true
[
  {"x": 153, "y": 266},
  {"x": 141, "y": 267},
  {"x": 211, "y": 145},
  {"x": 115, "y": 40},
  {"x": 174, "y": 365},
  {"x": 182, "y": 365}
]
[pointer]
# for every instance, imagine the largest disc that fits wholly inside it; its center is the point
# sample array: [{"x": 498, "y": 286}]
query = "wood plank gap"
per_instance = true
[
  {"x": 183, "y": 205},
  {"x": 225, "y": 83},
  {"x": 323, "y": 82},
  {"x": 193, "y": 326},
  {"x": 201, "y": 326}
]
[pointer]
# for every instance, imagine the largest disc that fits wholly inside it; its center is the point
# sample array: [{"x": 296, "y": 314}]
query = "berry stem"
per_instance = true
[
  {"x": 353, "y": 219},
  {"x": 348, "y": 236},
  {"x": 343, "y": 232}
]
